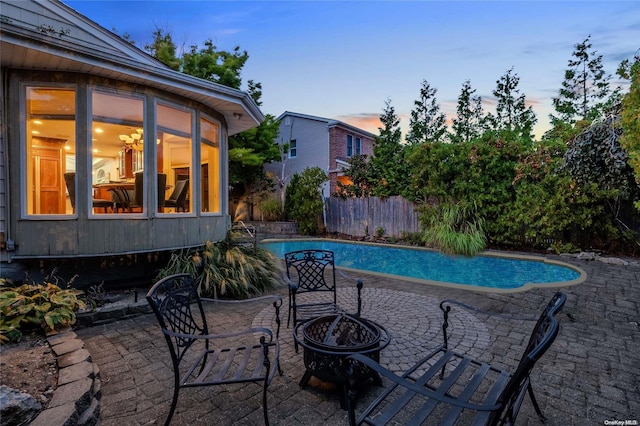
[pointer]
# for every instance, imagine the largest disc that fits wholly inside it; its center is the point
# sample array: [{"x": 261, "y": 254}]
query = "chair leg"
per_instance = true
[
  {"x": 264, "y": 401},
  {"x": 543, "y": 419},
  {"x": 173, "y": 405}
]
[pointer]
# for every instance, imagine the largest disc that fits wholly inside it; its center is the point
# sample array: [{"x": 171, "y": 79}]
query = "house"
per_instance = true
[
  {"x": 97, "y": 138},
  {"x": 318, "y": 142}
]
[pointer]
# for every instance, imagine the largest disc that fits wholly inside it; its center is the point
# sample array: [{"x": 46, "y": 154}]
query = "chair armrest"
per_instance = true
[
  {"x": 277, "y": 303},
  {"x": 408, "y": 384},
  {"x": 248, "y": 331},
  {"x": 445, "y": 307}
]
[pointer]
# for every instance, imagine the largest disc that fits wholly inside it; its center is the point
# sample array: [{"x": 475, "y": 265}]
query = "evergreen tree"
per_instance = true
[
  {"x": 585, "y": 89},
  {"x": 630, "y": 139},
  {"x": 512, "y": 113},
  {"x": 427, "y": 123},
  {"x": 164, "y": 49},
  {"x": 467, "y": 124},
  {"x": 389, "y": 168}
]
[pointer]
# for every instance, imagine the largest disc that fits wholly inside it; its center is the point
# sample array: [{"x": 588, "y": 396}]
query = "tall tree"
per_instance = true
[
  {"x": 427, "y": 123},
  {"x": 467, "y": 124},
  {"x": 512, "y": 113},
  {"x": 630, "y": 139},
  {"x": 389, "y": 167},
  {"x": 163, "y": 49},
  {"x": 585, "y": 88}
]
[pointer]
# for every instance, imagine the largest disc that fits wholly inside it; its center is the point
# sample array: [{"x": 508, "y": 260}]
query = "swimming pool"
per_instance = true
[{"x": 490, "y": 271}]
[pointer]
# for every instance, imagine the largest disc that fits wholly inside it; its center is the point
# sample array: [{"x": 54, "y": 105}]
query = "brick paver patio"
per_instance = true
[{"x": 590, "y": 376}]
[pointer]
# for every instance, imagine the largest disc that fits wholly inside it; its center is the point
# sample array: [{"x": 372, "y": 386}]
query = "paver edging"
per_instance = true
[{"x": 76, "y": 402}]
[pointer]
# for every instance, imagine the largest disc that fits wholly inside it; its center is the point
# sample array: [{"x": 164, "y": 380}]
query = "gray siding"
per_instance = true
[
  {"x": 64, "y": 238},
  {"x": 312, "y": 144}
]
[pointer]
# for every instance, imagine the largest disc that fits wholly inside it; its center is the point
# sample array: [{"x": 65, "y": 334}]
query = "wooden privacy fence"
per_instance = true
[{"x": 360, "y": 217}]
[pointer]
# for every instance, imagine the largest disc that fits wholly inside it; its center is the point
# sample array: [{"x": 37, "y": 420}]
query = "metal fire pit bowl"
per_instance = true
[{"x": 329, "y": 339}]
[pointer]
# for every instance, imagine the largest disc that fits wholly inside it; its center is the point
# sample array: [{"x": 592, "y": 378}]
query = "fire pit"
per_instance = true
[{"x": 329, "y": 339}]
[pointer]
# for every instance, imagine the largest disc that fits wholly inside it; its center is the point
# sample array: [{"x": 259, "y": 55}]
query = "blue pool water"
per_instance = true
[{"x": 482, "y": 271}]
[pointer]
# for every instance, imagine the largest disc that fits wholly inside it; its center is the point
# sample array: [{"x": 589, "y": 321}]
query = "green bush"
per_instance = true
[
  {"x": 453, "y": 229},
  {"x": 271, "y": 209},
  {"x": 30, "y": 306},
  {"x": 222, "y": 269}
]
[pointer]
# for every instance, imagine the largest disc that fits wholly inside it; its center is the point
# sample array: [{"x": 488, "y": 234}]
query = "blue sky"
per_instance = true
[{"x": 342, "y": 60}]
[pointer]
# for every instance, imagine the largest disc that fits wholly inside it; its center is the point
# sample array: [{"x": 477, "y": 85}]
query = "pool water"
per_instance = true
[{"x": 486, "y": 271}]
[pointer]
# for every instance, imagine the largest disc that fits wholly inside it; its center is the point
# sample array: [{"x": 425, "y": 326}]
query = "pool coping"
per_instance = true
[{"x": 469, "y": 287}]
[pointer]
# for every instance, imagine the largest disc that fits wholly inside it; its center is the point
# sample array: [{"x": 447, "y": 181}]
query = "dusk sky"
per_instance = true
[{"x": 342, "y": 60}]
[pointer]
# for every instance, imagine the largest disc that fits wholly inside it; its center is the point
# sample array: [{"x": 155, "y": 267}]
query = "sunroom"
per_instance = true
[{"x": 105, "y": 150}]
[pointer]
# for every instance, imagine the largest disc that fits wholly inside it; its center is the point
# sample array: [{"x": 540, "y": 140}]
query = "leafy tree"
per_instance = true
[
  {"x": 630, "y": 138},
  {"x": 212, "y": 64},
  {"x": 362, "y": 184},
  {"x": 512, "y": 113},
  {"x": 467, "y": 124},
  {"x": 427, "y": 123},
  {"x": 585, "y": 87},
  {"x": 164, "y": 49},
  {"x": 303, "y": 201}
]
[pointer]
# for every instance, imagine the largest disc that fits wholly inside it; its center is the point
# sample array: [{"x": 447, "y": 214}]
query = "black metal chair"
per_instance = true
[
  {"x": 315, "y": 274},
  {"x": 97, "y": 203},
  {"x": 446, "y": 387},
  {"x": 179, "y": 310},
  {"x": 178, "y": 198}
]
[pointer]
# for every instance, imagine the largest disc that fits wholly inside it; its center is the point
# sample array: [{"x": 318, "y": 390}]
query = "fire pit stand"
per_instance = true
[{"x": 329, "y": 339}]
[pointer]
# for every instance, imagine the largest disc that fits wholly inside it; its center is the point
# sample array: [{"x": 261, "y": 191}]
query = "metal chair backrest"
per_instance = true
[
  {"x": 178, "y": 308},
  {"x": 543, "y": 335},
  {"x": 310, "y": 266},
  {"x": 70, "y": 181}
]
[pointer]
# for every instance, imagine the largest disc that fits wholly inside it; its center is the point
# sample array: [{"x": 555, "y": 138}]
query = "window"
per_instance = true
[
  {"x": 349, "y": 146},
  {"x": 175, "y": 159},
  {"x": 128, "y": 165},
  {"x": 358, "y": 146},
  {"x": 50, "y": 136},
  {"x": 117, "y": 152},
  {"x": 293, "y": 148},
  {"x": 210, "y": 166}
]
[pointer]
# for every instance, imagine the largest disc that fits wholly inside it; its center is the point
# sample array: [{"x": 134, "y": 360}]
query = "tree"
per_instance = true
[
  {"x": 630, "y": 139},
  {"x": 427, "y": 123},
  {"x": 389, "y": 167},
  {"x": 512, "y": 113},
  {"x": 164, "y": 49},
  {"x": 215, "y": 65},
  {"x": 304, "y": 199},
  {"x": 585, "y": 88},
  {"x": 467, "y": 124}
]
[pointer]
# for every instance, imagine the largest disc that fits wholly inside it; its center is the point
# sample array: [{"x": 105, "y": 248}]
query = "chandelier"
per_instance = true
[{"x": 132, "y": 141}]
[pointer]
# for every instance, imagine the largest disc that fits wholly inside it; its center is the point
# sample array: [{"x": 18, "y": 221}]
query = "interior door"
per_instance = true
[{"x": 48, "y": 191}]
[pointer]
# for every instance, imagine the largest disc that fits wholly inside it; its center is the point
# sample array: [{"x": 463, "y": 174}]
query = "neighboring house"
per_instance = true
[
  {"x": 318, "y": 142},
  {"x": 96, "y": 135}
]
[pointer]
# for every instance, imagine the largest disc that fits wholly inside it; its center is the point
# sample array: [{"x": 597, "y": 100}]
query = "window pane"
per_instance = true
[
  {"x": 117, "y": 158},
  {"x": 210, "y": 166},
  {"x": 349, "y": 145},
  {"x": 50, "y": 135},
  {"x": 175, "y": 157}
]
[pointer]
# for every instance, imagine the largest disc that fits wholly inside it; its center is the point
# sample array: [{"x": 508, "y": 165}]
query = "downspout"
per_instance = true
[{"x": 5, "y": 158}]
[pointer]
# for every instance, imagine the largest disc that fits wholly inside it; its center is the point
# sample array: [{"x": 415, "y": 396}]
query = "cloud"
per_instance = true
[{"x": 368, "y": 121}]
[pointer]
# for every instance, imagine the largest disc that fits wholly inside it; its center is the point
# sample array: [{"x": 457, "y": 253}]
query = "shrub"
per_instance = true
[
  {"x": 454, "y": 229},
  {"x": 271, "y": 209},
  {"x": 303, "y": 200},
  {"x": 30, "y": 306},
  {"x": 222, "y": 269}
]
